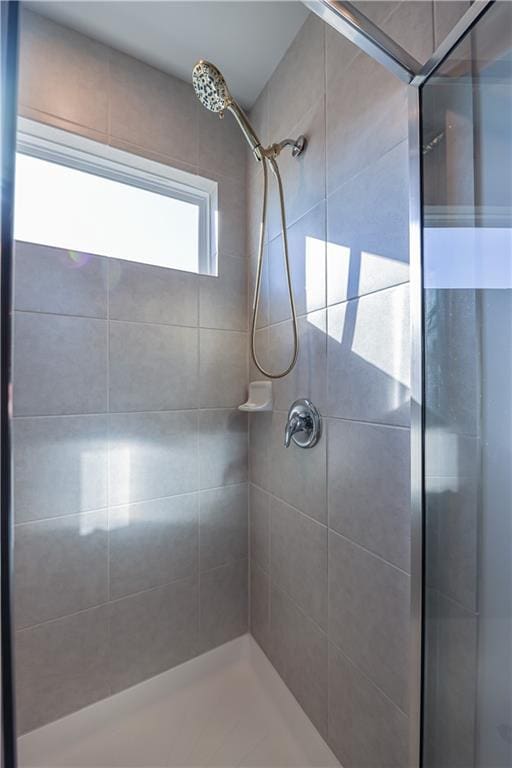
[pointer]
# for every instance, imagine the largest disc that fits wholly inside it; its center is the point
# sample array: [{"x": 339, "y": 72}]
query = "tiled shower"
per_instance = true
[{"x": 154, "y": 520}]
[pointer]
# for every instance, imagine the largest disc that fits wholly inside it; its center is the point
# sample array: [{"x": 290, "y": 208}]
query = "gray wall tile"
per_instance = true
[
  {"x": 368, "y": 229},
  {"x": 378, "y": 117},
  {"x": 298, "y": 81},
  {"x": 369, "y": 615},
  {"x": 298, "y": 476},
  {"x": 366, "y": 730},
  {"x": 152, "y": 367},
  {"x": 223, "y": 299},
  {"x": 222, "y": 369},
  {"x": 152, "y": 109},
  {"x": 303, "y": 177},
  {"x": 231, "y": 193},
  {"x": 221, "y": 147},
  {"x": 59, "y": 465},
  {"x": 152, "y": 294},
  {"x": 152, "y": 455},
  {"x": 152, "y": 543},
  {"x": 368, "y": 358},
  {"x": 223, "y": 448},
  {"x": 223, "y": 526},
  {"x": 60, "y": 365},
  {"x": 411, "y": 25},
  {"x": 152, "y": 631},
  {"x": 61, "y": 566},
  {"x": 75, "y": 82},
  {"x": 299, "y": 560},
  {"x": 299, "y": 653},
  {"x": 446, "y": 15},
  {"x": 306, "y": 250},
  {"x": 308, "y": 377},
  {"x": 260, "y": 606},
  {"x": 60, "y": 667},
  {"x": 368, "y": 470},
  {"x": 259, "y": 516},
  {"x": 68, "y": 283},
  {"x": 260, "y": 427},
  {"x": 223, "y": 604}
]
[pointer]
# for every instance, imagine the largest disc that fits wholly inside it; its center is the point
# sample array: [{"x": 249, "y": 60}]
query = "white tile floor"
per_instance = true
[{"x": 226, "y": 708}]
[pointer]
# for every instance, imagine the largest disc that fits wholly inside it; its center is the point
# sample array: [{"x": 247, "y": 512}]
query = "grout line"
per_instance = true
[
  {"x": 197, "y": 491},
  {"x": 331, "y": 530},
  {"x": 189, "y": 410}
]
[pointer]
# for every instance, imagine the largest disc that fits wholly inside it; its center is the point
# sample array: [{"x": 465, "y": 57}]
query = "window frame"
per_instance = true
[{"x": 83, "y": 154}]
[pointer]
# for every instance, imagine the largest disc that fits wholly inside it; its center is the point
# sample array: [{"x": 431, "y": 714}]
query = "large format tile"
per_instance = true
[
  {"x": 223, "y": 526},
  {"x": 60, "y": 667},
  {"x": 152, "y": 367},
  {"x": 60, "y": 365},
  {"x": 306, "y": 250},
  {"x": 152, "y": 455},
  {"x": 260, "y": 430},
  {"x": 308, "y": 377},
  {"x": 152, "y": 294},
  {"x": 59, "y": 465},
  {"x": 411, "y": 26},
  {"x": 67, "y": 283},
  {"x": 378, "y": 117},
  {"x": 224, "y": 604},
  {"x": 75, "y": 67},
  {"x": 61, "y": 566},
  {"x": 299, "y": 559},
  {"x": 222, "y": 368},
  {"x": 223, "y": 299},
  {"x": 304, "y": 176},
  {"x": 259, "y": 516},
  {"x": 231, "y": 201},
  {"x": 368, "y": 358},
  {"x": 152, "y": 109},
  {"x": 223, "y": 448},
  {"x": 368, "y": 229},
  {"x": 298, "y": 80},
  {"x": 299, "y": 653},
  {"x": 152, "y": 543},
  {"x": 369, "y": 615},
  {"x": 366, "y": 730},
  {"x": 446, "y": 14},
  {"x": 222, "y": 146},
  {"x": 259, "y": 606},
  {"x": 152, "y": 631},
  {"x": 369, "y": 487},
  {"x": 298, "y": 476}
]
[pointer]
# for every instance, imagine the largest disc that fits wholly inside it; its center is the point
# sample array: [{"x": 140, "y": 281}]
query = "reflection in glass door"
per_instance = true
[{"x": 467, "y": 252}]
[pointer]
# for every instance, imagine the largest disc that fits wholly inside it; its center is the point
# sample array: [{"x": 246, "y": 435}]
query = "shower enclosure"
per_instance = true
[{"x": 460, "y": 176}]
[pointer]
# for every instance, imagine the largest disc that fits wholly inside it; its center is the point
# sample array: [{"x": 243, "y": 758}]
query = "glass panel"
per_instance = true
[
  {"x": 68, "y": 208},
  {"x": 467, "y": 199}
]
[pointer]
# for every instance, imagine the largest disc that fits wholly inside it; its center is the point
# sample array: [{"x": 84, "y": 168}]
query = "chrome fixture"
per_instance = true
[
  {"x": 303, "y": 425},
  {"x": 213, "y": 93}
]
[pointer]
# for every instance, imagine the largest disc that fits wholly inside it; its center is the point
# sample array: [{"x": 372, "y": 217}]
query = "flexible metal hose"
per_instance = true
[{"x": 257, "y": 289}]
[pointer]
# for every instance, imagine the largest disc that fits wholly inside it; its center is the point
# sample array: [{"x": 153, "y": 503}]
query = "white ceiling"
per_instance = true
[{"x": 246, "y": 40}]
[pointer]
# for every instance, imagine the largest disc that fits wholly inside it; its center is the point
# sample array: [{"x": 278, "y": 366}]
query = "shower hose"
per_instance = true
[{"x": 257, "y": 290}]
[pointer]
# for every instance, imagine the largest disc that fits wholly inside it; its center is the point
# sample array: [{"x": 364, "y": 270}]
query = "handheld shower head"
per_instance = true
[
  {"x": 213, "y": 93},
  {"x": 210, "y": 87}
]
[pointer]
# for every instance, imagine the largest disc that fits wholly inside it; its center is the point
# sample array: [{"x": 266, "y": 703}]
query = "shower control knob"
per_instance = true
[{"x": 303, "y": 424}]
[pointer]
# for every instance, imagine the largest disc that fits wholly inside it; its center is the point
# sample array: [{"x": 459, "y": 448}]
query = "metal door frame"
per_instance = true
[{"x": 350, "y": 22}]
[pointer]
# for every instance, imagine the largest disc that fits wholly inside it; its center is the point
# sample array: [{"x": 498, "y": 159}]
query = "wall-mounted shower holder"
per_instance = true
[{"x": 298, "y": 146}]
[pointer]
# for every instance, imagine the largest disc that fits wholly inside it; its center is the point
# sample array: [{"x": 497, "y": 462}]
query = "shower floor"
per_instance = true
[{"x": 228, "y": 707}]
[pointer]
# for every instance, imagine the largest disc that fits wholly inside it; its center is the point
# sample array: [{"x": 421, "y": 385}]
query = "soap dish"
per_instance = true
[{"x": 260, "y": 397}]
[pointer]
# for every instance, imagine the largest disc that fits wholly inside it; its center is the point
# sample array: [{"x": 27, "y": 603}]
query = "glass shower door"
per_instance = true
[{"x": 467, "y": 252}]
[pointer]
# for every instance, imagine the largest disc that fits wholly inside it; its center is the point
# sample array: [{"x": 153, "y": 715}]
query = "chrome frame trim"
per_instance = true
[
  {"x": 355, "y": 26},
  {"x": 417, "y": 431},
  {"x": 468, "y": 20}
]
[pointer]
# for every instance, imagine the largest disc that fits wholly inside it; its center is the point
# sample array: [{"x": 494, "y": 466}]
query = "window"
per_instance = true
[{"x": 80, "y": 195}]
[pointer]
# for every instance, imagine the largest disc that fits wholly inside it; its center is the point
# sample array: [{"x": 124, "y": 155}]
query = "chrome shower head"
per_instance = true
[
  {"x": 213, "y": 93},
  {"x": 210, "y": 87}
]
